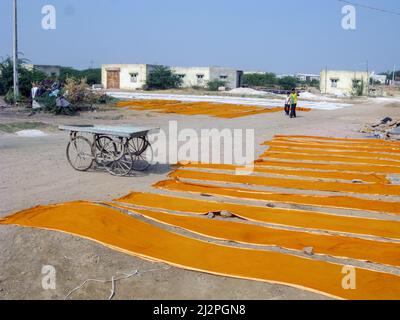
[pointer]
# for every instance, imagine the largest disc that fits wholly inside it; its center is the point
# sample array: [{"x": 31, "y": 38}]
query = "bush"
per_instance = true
[
  {"x": 288, "y": 83},
  {"x": 26, "y": 77},
  {"x": 9, "y": 97},
  {"x": 259, "y": 79},
  {"x": 93, "y": 76},
  {"x": 214, "y": 85},
  {"x": 162, "y": 78}
]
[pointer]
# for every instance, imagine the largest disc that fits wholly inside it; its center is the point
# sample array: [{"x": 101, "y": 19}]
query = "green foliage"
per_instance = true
[
  {"x": 49, "y": 105},
  {"x": 93, "y": 76},
  {"x": 259, "y": 80},
  {"x": 314, "y": 83},
  {"x": 9, "y": 97},
  {"x": 288, "y": 83},
  {"x": 214, "y": 85},
  {"x": 26, "y": 77},
  {"x": 358, "y": 88},
  {"x": 161, "y": 78}
]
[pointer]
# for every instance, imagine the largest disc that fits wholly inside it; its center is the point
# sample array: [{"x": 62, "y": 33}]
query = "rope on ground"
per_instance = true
[{"x": 113, "y": 281}]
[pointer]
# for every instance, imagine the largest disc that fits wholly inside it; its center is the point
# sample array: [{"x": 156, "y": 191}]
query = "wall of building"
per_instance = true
[
  {"x": 191, "y": 76},
  {"x": 127, "y": 81},
  {"x": 49, "y": 70},
  {"x": 230, "y": 76},
  {"x": 344, "y": 83}
]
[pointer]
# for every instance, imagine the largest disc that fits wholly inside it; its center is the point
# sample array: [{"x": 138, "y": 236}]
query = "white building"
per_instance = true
[
  {"x": 49, "y": 70},
  {"x": 343, "y": 82},
  {"x": 134, "y": 76},
  {"x": 379, "y": 78},
  {"x": 307, "y": 77}
]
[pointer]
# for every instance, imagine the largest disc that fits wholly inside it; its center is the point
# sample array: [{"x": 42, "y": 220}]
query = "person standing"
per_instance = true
[
  {"x": 287, "y": 104},
  {"x": 293, "y": 103}
]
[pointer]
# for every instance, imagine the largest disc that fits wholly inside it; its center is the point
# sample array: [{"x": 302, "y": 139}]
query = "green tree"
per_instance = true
[
  {"x": 259, "y": 79},
  {"x": 161, "y": 78},
  {"x": 93, "y": 76},
  {"x": 214, "y": 85},
  {"x": 26, "y": 77},
  {"x": 288, "y": 83}
]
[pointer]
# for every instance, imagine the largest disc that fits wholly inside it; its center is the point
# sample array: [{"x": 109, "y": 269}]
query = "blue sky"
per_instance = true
[{"x": 282, "y": 36}]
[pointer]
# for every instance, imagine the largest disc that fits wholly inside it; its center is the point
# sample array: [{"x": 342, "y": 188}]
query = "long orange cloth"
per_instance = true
[
  {"x": 286, "y": 217},
  {"x": 375, "y": 188},
  {"x": 336, "y": 153},
  {"x": 340, "y": 202},
  {"x": 367, "y": 177},
  {"x": 343, "y": 247},
  {"x": 220, "y": 110},
  {"x": 348, "y": 167},
  {"x": 321, "y": 158},
  {"x": 327, "y": 146},
  {"x": 331, "y": 139},
  {"x": 132, "y": 236}
]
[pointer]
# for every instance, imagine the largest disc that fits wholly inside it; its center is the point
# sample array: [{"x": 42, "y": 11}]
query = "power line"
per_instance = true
[{"x": 370, "y": 8}]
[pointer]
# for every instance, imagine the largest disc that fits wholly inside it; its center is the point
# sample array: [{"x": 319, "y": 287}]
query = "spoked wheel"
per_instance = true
[
  {"x": 116, "y": 158},
  {"x": 142, "y": 153},
  {"x": 99, "y": 143},
  {"x": 79, "y": 153}
]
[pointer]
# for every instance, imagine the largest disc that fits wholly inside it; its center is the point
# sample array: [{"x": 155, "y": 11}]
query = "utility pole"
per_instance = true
[
  {"x": 15, "y": 52},
  {"x": 394, "y": 72},
  {"x": 368, "y": 78},
  {"x": 326, "y": 79}
]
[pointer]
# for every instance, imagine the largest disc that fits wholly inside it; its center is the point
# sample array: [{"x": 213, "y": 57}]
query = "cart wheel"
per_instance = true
[
  {"x": 99, "y": 143},
  {"x": 142, "y": 153},
  {"x": 79, "y": 154},
  {"x": 116, "y": 158}
]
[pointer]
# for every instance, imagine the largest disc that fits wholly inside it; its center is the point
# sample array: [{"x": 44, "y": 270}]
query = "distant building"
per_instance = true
[
  {"x": 307, "y": 77},
  {"x": 49, "y": 70},
  {"x": 134, "y": 76},
  {"x": 343, "y": 82},
  {"x": 379, "y": 78}
]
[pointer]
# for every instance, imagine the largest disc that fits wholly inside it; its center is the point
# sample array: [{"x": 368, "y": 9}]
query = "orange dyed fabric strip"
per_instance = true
[
  {"x": 132, "y": 236},
  {"x": 336, "y": 153},
  {"x": 375, "y": 188},
  {"x": 340, "y": 202},
  {"x": 348, "y": 140},
  {"x": 320, "y": 158},
  {"x": 348, "y": 167},
  {"x": 327, "y": 146},
  {"x": 286, "y": 217},
  {"x": 220, "y": 110},
  {"x": 299, "y": 173},
  {"x": 343, "y": 247}
]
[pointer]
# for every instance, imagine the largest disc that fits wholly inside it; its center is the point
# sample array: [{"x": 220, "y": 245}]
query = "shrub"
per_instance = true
[
  {"x": 93, "y": 76},
  {"x": 259, "y": 79},
  {"x": 288, "y": 83},
  {"x": 214, "y": 85},
  {"x": 9, "y": 97},
  {"x": 26, "y": 77},
  {"x": 162, "y": 78}
]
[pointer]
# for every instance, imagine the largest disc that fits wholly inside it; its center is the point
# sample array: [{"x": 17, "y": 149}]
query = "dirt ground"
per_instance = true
[{"x": 35, "y": 171}]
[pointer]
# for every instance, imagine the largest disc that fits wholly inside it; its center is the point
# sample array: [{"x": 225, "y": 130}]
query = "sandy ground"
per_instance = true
[{"x": 34, "y": 171}]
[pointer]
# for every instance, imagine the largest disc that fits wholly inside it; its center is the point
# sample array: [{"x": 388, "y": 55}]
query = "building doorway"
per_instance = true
[{"x": 113, "y": 79}]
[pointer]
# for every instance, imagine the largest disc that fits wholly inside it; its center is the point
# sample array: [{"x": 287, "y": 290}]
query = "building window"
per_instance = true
[
  {"x": 223, "y": 77},
  {"x": 334, "y": 83},
  {"x": 134, "y": 77},
  {"x": 200, "y": 79},
  {"x": 181, "y": 76}
]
